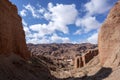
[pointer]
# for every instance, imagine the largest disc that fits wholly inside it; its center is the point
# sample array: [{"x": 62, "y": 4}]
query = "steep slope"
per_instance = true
[
  {"x": 12, "y": 37},
  {"x": 109, "y": 38}
]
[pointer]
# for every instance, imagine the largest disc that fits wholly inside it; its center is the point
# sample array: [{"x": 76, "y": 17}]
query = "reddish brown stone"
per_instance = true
[
  {"x": 109, "y": 38},
  {"x": 82, "y": 60},
  {"x": 12, "y": 36},
  {"x": 90, "y": 55}
]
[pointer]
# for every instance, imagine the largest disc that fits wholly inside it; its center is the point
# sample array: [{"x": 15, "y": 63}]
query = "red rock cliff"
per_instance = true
[
  {"x": 109, "y": 38},
  {"x": 12, "y": 37}
]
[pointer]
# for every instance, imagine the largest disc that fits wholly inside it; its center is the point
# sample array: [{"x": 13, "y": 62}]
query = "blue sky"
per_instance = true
[{"x": 62, "y": 21}]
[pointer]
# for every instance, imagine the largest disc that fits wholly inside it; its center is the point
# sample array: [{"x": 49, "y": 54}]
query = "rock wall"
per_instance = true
[
  {"x": 82, "y": 60},
  {"x": 90, "y": 55},
  {"x": 109, "y": 38},
  {"x": 12, "y": 36}
]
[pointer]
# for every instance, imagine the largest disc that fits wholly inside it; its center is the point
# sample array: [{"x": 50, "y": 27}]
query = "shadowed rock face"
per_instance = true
[
  {"x": 14, "y": 67},
  {"x": 12, "y": 37},
  {"x": 109, "y": 38}
]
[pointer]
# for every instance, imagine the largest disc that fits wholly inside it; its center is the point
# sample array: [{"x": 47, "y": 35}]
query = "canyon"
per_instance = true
[{"x": 21, "y": 61}]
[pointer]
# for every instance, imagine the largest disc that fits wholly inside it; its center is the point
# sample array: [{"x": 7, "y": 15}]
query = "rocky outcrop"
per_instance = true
[
  {"x": 90, "y": 54},
  {"x": 12, "y": 37},
  {"x": 109, "y": 38},
  {"x": 82, "y": 60}
]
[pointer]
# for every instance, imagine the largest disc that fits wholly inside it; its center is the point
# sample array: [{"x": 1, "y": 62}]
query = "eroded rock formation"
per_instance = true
[
  {"x": 109, "y": 38},
  {"x": 82, "y": 60},
  {"x": 12, "y": 36}
]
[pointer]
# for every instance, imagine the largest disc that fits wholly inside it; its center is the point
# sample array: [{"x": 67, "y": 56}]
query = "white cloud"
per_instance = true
[
  {"x": 93, "y": 38},
  {"x": 88, "y": 23},
  {"x": 48, "y": 39},
  {"x": 36, "y": 40},
  {"x": 59, "y": 17},
  {"x": 41, "y": 32},
  {"x": 97, "y": 6},
  {"x": 56, "y": 38},
  {"x": 46, "y": 29},
  {"x": 32, "y": 10},
  {"x": 23, "y": 12},
  {"x": 42, "y": 29},
  {"x": 28, "y": 33},
  {"x": 63, "y": 14}
]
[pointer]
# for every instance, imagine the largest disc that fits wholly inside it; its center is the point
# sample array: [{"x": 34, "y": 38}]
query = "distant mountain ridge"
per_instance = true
[{"x": 61, "y": 49}]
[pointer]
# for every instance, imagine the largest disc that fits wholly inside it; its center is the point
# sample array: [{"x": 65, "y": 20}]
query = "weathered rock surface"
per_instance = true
[
  {"x": 12, "y": 37},
  {"x": 82, "y": 60},
  {"x": 109, "y": 38}
]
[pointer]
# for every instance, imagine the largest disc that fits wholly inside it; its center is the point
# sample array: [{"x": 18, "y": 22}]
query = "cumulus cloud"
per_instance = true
[
  {"x": 56, "y": 38},
  {"x": 48, "y": 39},
  {"x": 88, "y": 23},
  {"x": 93, "y": 38},
  {"x": 42, "y": 29},
  {"x": 36, "y": 40},
  {"x": 59, "y": 17},
  {"x": 97, "y": 6},
  {"x": 63, "y": 14}
]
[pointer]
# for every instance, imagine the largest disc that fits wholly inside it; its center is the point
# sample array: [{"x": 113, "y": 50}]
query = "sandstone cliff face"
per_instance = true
[
  {"x": 12, "y": 37},
  {"x": 109, "y": 38}
]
